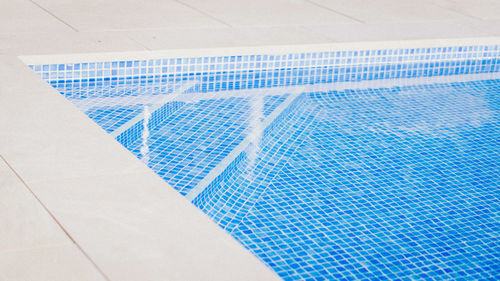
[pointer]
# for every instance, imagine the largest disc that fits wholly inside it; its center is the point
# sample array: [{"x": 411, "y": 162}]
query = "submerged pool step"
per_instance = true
[
  {"x": 215, "y": 172},
  {"x": 211, "y": 125},
  {"x": 169, "y": 98}
]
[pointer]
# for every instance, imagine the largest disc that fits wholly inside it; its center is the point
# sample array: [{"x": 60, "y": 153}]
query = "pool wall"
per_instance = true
[
  {"x": 156, "y": 209},
  {"x": 281, "y": 66}
]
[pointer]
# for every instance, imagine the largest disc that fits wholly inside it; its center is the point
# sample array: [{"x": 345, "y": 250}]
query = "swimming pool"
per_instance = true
[{"x": 351, "y": 164}]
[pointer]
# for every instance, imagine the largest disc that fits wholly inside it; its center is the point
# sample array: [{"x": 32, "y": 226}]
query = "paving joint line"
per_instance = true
[
  {"x": 335, "y": 11},
  {"x": 55, "y": 219},
  {"x": 203, "y": 13},
  {"x": 56, "y": 17}
]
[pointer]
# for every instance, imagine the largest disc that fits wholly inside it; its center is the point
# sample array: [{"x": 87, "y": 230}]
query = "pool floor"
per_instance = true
[{"x": 391, "y": 183}]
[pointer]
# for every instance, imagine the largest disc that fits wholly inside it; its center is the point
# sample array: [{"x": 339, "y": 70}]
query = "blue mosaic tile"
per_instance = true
[
  {"x": 364, "y": 183},
  {"x": 390, "y": 184},
  {"x": 260, "y": 71}
]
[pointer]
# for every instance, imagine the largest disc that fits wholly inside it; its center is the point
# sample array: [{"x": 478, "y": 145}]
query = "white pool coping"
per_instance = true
[
  {"x": 126, "y": 221},
  {"x": 255, "y": 50}
]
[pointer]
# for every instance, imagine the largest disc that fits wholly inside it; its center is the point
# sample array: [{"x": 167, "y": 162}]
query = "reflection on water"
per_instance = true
[
  {"x": 145, "y": 135},
  {"x": 437, "y": 111},
  {"x": 430, "y": 111},
  {"x": 255, "y": 128}
]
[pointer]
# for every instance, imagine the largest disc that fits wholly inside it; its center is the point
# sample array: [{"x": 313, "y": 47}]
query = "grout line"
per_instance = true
[
  {"x": 267, "y": 68},
  {"x": 55, "y": 219},
  {"x": 334, "y": 11},
  {"x": 224, "y": 163},
  {"x": 278, "y": 90},
  {"x": 50, "y": 13},
  {"x": 203, "y": 13}
]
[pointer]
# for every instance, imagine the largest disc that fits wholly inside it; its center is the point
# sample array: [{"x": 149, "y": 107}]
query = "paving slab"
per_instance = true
[
  {"x": 54, "y": 263},
  {"x": 403, "y": 31},
  {"x": 389, "y": 11},
  {"x": 106, "y": 15},
  {"x": 18, "y": 16},
  {"x": 69, "y": 41},
  {"x": 33, "y": 246},
  {"x": 268, "y": 13},
  {"x": 225, "y": 37},
  {"x": 482, "y": 9}
]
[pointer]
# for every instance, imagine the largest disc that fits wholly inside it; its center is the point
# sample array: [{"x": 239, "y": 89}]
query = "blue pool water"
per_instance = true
[{"x": 391, "y": 181}]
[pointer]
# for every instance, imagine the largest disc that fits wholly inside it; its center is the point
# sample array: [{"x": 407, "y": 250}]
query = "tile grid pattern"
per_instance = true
[
  {"x": 234, "y": 72},
  {"x": 373, "y": 193},
  {"x": 329, "y": 194}
]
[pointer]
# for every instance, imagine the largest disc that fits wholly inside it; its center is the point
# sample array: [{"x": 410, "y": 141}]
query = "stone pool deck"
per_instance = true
[{"x": 74, "y": 204}]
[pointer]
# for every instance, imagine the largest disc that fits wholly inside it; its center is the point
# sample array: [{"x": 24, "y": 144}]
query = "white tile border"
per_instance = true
[{"x": 267, "y": 50}]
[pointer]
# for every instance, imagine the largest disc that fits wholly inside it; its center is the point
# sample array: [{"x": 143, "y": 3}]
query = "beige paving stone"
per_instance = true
[
  {"x": 29, "y": 120},
  {"x": 54, "y": 263},
  {"x": 388, "y": 31},
  {"x": 390, "y": 11},
  {"x": 268, "y": 13},
  {"x": 225, "y": 37},
  {"x": 32, "y": 245},
  {"x": 106, "y": 15},
  {"x": 17, "y": 16},
  {"x": 485, "y": 27},
  {"x": 24, "y": 224},
  {"x": 45, "y": 43},
  {"x": 482, "y": 9},
  {"x": 136, "y": 227}
]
